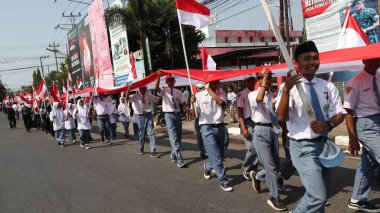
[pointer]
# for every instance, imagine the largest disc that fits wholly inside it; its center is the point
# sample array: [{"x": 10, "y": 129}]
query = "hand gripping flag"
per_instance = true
[{"x": 193, "y": 13}]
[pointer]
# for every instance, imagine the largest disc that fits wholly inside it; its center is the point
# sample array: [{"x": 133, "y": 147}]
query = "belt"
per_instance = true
[
  {"x": 174, "y": 113},
  {"x": 264, "y": 124},
  {"x": 214, "y": 125},
  {"x": 145, "y": 113},
  {"x": 310, "y": 140}
]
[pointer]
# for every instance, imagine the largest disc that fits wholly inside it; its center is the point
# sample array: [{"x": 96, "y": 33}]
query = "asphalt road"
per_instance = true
[{"x": 38, "y": 176}]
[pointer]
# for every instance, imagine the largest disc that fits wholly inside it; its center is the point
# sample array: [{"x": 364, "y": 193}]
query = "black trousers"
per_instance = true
[
  {"x": 12, "y": 122},
  {"x": 27, "y": 121}
]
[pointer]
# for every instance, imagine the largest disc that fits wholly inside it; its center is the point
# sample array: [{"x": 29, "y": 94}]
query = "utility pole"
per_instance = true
[
  {"x": 72, "y": 17},
  {"x": 281, "y": 23},
  {"x": 55, "y": 51}
]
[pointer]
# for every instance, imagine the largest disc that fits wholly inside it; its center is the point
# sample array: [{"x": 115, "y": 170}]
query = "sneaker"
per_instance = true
[
  {"x": 255, "y": 183},
  {"x": 154, "y": 155},
  {"x": 81, "y": 145},
  {"x": 203, "y": 155},
  {"x": 246, "y": 175},
  {"x": 102, "y": 142},
  {"x": 62, "y": 145},
  {"x": 281, "y": 186},
  {"x": 181, "y": 164},
  {"x": 277, "y": 204},
  {"x": 226, "y": 187},
  {"x": 206, "y": 173},
  {"x": 327, "y": 203},
  {"x": 73, "y": 142},
  {"x": 88, "y": 147},
  {"x": 141, "y": 152},
  {"x": 174, "y": 160},
  {"x": 364, "y": 206}
]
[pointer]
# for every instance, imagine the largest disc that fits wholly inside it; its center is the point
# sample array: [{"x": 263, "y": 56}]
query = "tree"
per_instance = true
[
  {"x": 3, "y": 91},
  {"x": 157, "y": 19},
  {"x": 37, "y": 78}
]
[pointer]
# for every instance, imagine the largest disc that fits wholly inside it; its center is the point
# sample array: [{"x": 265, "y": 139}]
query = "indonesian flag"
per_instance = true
[
  {"x": 5, "y": 99},
  {"x": 353, "y": 35},
  {"x": 35, "y": 95},
  {"x": 42, "y": 90},
  {"x": 64, "y": 89},
  {"x": 53, "y": 96},
  {"x": 55, "y": 90},
  {"x": 193, "y": 13},
  {"x": 207, "y": 62}
]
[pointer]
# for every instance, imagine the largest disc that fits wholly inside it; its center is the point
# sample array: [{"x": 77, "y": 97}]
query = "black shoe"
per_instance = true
[
  {"x": 255, "y": 183},
  {"x": 203, "y": 155},
  {"x": 277, "y": 204},
  {"x": 154, "y": 155},
  {"x": 226, "y": 187},
  {"x": 141, "y": 152},
  {"x": 281, "y": 186},
  {"x": 364, "y": 206},
  {"x": 246, "y": 175},
  {"x": 206, "y": 174}
]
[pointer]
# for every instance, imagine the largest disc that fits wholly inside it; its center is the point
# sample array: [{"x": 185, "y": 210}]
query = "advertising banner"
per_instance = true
[
  {"x": 100, "y": 48},
  {"x": 88, "y": 78},
  {"x": 75, "y": 57},
  {"x": 120, "y": 55},
  {"x": 324, "y": 20}
]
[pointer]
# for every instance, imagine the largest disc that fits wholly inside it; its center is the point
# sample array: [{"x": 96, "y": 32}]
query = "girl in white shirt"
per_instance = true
[
  {"x": 70, "y": 122},
  {"x": 57, "y": 117},
  {"x": 82, "y": 114},
  {"x": 124, "y": 115}
]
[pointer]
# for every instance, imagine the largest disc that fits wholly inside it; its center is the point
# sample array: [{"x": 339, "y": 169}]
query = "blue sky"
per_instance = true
[{"x": 28, "y": 29}]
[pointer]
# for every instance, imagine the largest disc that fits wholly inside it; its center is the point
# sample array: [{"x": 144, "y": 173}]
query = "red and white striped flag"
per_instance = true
[
  {"x": 193, "y": 13},
  {"x": 55, "y": 90},
  {"x": 207, "y": 62},
  {"x": 64, "y": 89},
  {"x": 133, "y": 67},
  {"x": 42, "y": 90},
  {"x": 353, "y": 35}
]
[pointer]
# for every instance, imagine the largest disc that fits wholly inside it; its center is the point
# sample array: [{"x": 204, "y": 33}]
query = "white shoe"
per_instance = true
[
  {"x": 81, "y": 145},
  {"x": 88, "y": 147}
]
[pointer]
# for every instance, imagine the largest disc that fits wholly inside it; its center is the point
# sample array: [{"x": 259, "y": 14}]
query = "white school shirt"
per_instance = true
[
  {"x": 112, "y": 114},
  {"x": 168, "y": 100},
  {"x": 59, "y": 119},
  {"x": 124, "y": 108},
  {"x": 82, "y": 117},
  {"x": 137, "y": 103},
  {"x": 102, "y": 107},
  {"x": 298, "y": 122},
  {"x": 260, "y": 110},
  {"x": 231, "y": 96},
  {"x": 243, "y": 103},
  {"x": 359, "y": 94},
  {"x": 209, "y": 112},
  {"x": 69, "y": 119}
]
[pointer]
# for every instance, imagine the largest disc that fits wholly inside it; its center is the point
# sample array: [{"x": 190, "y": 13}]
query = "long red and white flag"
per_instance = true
[
  {"x": 353, "y": 35},
  {"x": 55, "y": 90},
  {"x": 42, "y": 90},
  {"x": 64, "y": 88},
  {"x": 193, "y": 13},
  {"x": 207, "y": 62}
]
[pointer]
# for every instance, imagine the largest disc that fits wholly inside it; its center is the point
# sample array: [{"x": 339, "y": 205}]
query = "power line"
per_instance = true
[
  {"x": 238, "y": 13},
  {"x": 22, "y": 68}
]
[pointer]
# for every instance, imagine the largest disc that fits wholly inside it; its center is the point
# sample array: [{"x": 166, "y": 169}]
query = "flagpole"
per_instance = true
[
  {"x": 187, "y": 65},
  {"x": 289, "y": 62}
]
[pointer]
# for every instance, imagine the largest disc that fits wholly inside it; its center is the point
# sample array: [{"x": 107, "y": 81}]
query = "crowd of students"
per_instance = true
[{"x": 262, "y": 115}]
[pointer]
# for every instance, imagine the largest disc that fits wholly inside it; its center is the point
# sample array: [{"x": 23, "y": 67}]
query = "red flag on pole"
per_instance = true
[
  {"x": 207, "y": 62},
  {"x": 193, "y": 13}
]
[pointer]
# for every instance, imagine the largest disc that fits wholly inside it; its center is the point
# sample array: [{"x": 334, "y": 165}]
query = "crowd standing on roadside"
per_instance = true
[{"x": 262, "y": 116}]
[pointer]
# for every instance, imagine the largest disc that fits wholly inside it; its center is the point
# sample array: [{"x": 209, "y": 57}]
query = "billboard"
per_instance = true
[
  {"x": 324, "y": 20},
  {"x": 85, "y": 44},
  {"x": 75, "y": 57},
  {"x": 100, "y": 48},
  {"x": 120, "y": 55}
]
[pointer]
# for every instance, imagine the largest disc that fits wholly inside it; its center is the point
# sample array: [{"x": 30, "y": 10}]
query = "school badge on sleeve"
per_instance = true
[{"x": 348, "y": 90}]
